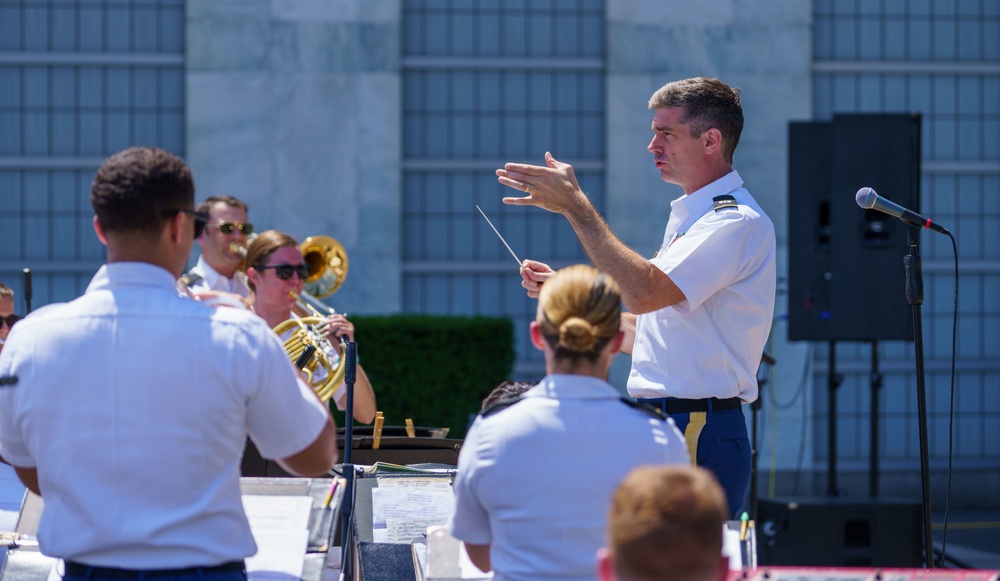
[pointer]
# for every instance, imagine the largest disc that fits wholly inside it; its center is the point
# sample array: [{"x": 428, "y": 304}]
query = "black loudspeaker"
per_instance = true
[
  {"x": 839, "y": 532},
  {"x": 810, "y": 147},
  {"x": 846, "y": 277}
]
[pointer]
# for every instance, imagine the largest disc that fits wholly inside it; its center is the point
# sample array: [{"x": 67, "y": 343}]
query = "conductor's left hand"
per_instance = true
[{"x": 552, "y": 187}]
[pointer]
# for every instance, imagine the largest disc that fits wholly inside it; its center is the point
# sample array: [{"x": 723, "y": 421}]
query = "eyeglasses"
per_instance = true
[
  {"x": 228, "y": 228},
  {"x": 285, "y": 271},
  {"x": 10, "y": 319},
  {"x": 200, "y": 219}
]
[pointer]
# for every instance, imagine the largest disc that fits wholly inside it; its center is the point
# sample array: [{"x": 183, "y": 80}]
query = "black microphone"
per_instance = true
[{"x": 869, "y": 200}]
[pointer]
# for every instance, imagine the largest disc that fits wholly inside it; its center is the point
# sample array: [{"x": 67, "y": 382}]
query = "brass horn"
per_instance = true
[
  {"x": 327, "y": 262},
  {"x": 323, "y": 374}
]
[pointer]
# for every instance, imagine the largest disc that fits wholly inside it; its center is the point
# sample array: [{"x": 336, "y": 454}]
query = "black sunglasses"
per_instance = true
[
  {"x": 230, "y": 227},
  {"x": 10, "y": 319},
  {"x": 285, "y": 271},
  {"x": 200, "y": 219}
]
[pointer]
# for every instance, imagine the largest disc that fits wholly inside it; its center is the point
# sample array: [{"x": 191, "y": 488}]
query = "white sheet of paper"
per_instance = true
[
  {"x": 398, "y": 510},
  {"x": 280, "y": 553},
  {"x": 280, "y": 527},
  {"x": 277, "y": 512},
  {"x": 442, "y": 484}
]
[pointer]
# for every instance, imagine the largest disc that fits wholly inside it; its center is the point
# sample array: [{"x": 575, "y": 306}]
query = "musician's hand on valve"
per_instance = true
[
  {"x": 340, "y": 327},
  {"x": 533, "y": 275}
]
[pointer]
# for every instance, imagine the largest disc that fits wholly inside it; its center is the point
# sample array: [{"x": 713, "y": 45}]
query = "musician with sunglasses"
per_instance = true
[
  {"x": 219, "y": 266},
  {"x": 275, "y": 269},
  {"x": 133, "y": 404},
  {"x": 7, "y": 316}
]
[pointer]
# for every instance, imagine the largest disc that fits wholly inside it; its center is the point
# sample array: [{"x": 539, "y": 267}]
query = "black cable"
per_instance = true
[
  {"x": 798, "y": 391},
  {"x": 951, "y": 403}
]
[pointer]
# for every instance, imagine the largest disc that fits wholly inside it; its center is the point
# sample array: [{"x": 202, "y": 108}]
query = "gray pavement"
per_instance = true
[{"x": 973, "y": 538}]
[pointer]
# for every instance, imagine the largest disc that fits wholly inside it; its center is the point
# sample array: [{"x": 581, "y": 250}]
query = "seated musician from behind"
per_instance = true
[
  {"x": 535, "y": 477},
  {"x": 276, "y": 269}
]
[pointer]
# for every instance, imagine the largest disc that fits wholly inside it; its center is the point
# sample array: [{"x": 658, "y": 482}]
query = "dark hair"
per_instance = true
[
  {"x": 263, "y": 246},
  {"x": 706, "y": 103},
  {"x": 230, "y": 201},
  {"x": 504, "y": 391},
  {"x": 136, "y": 187}
]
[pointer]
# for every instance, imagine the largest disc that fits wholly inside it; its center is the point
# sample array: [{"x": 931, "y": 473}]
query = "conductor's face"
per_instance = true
[
  {"x": 676, "y": 153},
  {"x": 281, "y": 274}
]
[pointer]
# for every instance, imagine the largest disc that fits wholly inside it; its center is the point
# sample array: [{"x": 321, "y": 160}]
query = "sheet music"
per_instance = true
[
  {"x": 280, "y": 527},
  {"x": 441, "y": 484},
  {"x": 400, "y": 505}
]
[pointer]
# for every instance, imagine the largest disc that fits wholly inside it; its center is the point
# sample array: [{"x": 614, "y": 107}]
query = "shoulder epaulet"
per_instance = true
[
  {"x": 724, "y": 202},
  {"x": 644, "y": 407},
  {"x": 191, "y": 278},
  {"x": 500, "y": 405}
]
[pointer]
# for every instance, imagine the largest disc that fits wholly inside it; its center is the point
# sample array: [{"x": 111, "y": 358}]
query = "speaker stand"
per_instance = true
[
  {"x": 833, "y": 380},
  {"x": 876, "y": 387},
  {"x": 915, "y": 296}
]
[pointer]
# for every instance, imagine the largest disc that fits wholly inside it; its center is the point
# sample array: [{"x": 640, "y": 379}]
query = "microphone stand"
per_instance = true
[
  {"x": 915, "y": 296},
  {"x": 347, "y": 504},
  {"x": 27, "y": 290},
  {"x": 755, "y": 405}
]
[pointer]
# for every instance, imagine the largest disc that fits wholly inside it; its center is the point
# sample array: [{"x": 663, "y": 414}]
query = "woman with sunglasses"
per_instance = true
[
  {"x": 275, "y": 268},
  {"x": 7, "y": 316}
]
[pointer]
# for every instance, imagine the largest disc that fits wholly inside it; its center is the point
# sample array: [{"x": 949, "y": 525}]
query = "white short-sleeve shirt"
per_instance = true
[
  {"x": 535, "y": 480},
  {"x": 211, "y": 279},
  {"x": 710, "y": 344},
  {"x": 134, "y": 404}
]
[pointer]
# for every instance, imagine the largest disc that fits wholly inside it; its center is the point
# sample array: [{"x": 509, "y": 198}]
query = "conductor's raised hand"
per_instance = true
[
  {"x": 552, "y": 187},
  {"x": 533, "y": 275}
]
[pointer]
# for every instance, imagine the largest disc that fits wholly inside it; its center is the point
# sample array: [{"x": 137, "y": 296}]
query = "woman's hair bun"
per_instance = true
[{"x": 577, "y": 334}]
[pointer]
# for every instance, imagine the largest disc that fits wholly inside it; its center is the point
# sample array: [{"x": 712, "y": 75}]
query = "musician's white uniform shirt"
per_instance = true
[
  {"x": 710, "y": 344},
  {"x": 212, "y": 280},
  {"x": 535, "y": 479},
  {"x": 134, "y": 405}
]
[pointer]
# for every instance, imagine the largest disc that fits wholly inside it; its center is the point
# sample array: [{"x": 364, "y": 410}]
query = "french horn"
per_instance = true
[{"x": 328, "y": 265}]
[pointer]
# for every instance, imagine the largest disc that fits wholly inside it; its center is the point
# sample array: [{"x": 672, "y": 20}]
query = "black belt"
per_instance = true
[
  {"x": 79, "y": 570},
  {"x": 685, "y": 406}
]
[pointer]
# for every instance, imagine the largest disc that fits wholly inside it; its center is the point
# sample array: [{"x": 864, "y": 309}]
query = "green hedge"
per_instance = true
[{"x": 435, "y": 370}]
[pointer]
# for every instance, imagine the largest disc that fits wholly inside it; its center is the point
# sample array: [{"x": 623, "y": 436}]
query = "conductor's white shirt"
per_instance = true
[
  {"x": 134, "y": 405},
  {"x": 535, "y": 479},
  {"x": 710, "y": 344}
]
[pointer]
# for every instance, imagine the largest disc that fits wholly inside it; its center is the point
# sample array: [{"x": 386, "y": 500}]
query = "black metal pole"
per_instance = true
[
  {"x": 755, "y": 405},
  {"x": 832, "y": 382},
  {"x": 915, "y": 296},
  {"x": 27, "y": 290},
  {"x": 876, "y": 387},
  {"x": 347, "y": 504},
  {"x": 754, "y": 450}
]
